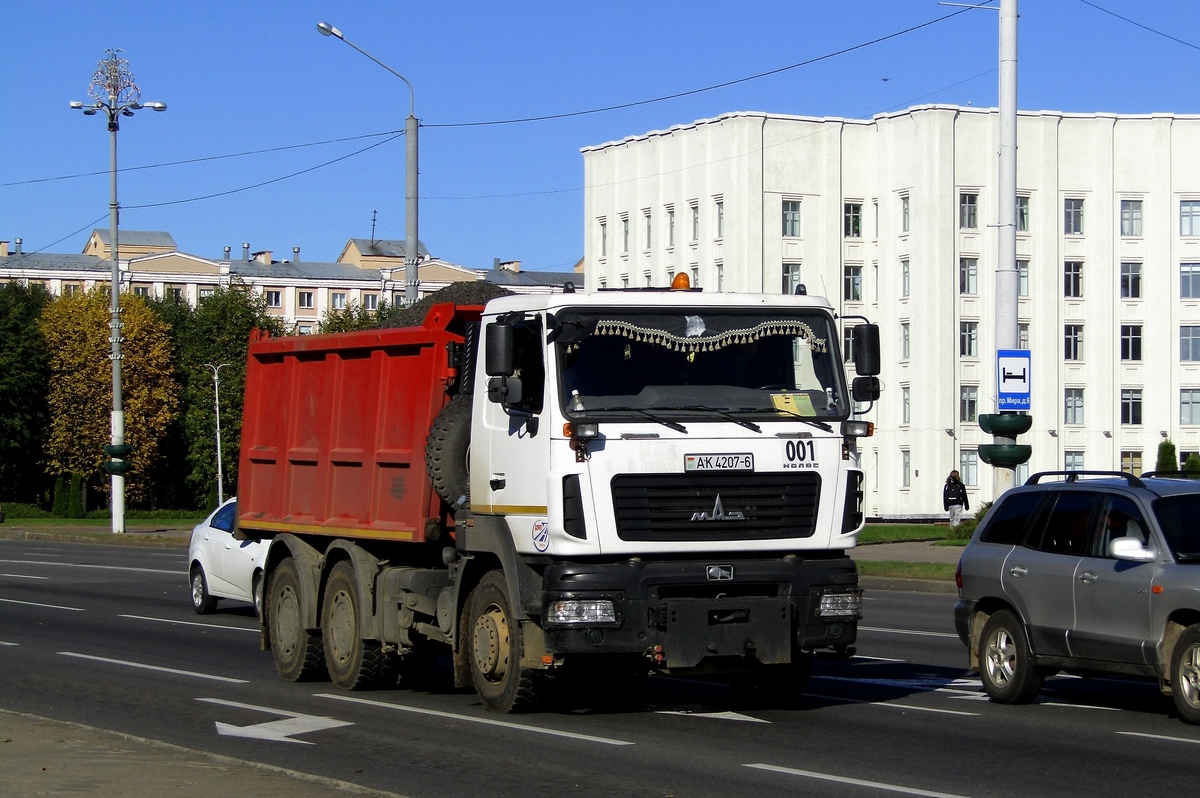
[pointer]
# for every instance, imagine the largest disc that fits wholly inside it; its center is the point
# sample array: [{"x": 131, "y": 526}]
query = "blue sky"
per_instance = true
[{"x": 255, "y": 75}]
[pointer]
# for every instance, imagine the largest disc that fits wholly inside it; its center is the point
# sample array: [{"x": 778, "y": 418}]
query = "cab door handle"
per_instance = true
[
  {"x": 1018, "y": 570},
  {"x": 1088, "y": 577}
]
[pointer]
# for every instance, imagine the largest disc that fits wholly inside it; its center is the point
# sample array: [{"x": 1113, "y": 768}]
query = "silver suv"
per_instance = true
[{"x": 1089, "y": 573}]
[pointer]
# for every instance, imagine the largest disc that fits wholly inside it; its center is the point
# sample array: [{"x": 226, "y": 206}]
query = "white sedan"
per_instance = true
[{"x": 223, "y": 567}]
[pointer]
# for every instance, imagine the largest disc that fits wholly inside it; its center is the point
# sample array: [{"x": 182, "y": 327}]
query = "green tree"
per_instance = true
[
  {"x": 24, "y": 385},
  {"x": 80, "y": 397},
  {"x": 353, "y": 317},
  {"x": 1192, "y": 465},
  {"x": 1168, "y": 460}
]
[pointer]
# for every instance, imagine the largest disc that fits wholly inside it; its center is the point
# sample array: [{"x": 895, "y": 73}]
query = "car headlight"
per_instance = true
[
  {"x": 575, "y": 612},
  {"x": 840, "y": 606}
]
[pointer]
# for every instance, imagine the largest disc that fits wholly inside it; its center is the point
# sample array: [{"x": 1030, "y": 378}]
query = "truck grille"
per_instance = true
[{"x": 704, "y": 507}]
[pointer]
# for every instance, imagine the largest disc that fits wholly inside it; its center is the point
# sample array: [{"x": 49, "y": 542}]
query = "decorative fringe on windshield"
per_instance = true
[{"x": 710, "y": 343}]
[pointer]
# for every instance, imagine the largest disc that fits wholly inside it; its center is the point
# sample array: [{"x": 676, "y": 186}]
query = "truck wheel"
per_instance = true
[
  {"x": 297, "y": 651},
  {"x": 1185, "y": 675},
  {"x": 353, "y": 663},
  {"x": 1006, "y": 665},
  {"x": 203, "y": 602},
  {"x": 495, "y": 649},
  {"x": 448, "y": 450}
]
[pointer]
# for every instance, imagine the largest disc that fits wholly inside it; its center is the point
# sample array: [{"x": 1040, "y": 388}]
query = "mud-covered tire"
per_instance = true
[
  {"x": 353, "y": 663},
  {"x": 1006, "y": 665},
  {"x": 297, "y": 651},
  {"x": 448, "y": 450},
  {"x": 1185, "y": 675},
  {"x": 203, "y": 602},
  {"x": 256, "y": 594},
  {"x": 495, "y": 647}
]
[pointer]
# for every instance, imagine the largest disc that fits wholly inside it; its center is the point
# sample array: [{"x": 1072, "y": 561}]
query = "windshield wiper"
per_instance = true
[
  {"x": 641, "y": 411},
  {"x": 818, "y": 424},
  {"x": 741, "y": 422}
]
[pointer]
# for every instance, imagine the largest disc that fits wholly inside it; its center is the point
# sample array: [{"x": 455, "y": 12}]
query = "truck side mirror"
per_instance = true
[
  {"x": 865, "y": 389},
  {"x": 498, "y": 352},
  {"x": 504, "y": 390},
  {"x": 866, "y": 350}
]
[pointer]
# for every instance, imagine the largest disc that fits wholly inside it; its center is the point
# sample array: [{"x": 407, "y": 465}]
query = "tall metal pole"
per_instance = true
[
  {"x": 411, "y": 239},
  {"x": 1007, "y": 285},
  {"x": 216, "y": 372},
  {"x": 114, "y": 92}
]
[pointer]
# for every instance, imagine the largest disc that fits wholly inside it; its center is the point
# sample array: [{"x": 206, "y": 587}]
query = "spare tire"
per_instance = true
[{"x": 448, "y": 451}]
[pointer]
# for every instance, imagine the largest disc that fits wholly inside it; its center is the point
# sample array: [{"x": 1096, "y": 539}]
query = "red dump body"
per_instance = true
[{"x": 334, "y": 429}]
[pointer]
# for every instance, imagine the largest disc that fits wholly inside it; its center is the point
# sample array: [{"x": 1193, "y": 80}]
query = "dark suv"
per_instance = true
[{"x": 1089, "y": 573}]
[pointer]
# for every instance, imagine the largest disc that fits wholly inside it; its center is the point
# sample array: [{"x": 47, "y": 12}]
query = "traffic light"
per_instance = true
[{"x": 119, "y": 465}]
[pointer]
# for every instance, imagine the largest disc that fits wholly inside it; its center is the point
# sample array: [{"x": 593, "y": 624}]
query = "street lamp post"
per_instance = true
[
  {"x": 114, "y": 92},
  {"x": 410, "y": 171},
  {"x": 216, "y": 372}
]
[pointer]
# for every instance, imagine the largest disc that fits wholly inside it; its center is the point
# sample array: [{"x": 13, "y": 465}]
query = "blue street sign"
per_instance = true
[{"x": 1013, "y": 375}]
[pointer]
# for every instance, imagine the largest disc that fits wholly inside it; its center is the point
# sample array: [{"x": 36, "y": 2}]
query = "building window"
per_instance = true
[
  {"x": 791, "y": 218},
  {"x": 1073, "y": 217},
  {"x": 848, "y": 343},
  {"x": 1131, "y": 342},
  {"x": 904, "y": 213},
  {"x": 720, "y": 267},
  {"x": 1072, "y": 342},
  {"x": 905, "y": 405},
  {"x": 905, "y": 468},
  {"x": 338, "y": 301},
  {"x": 968, "y": 467},
  {"x": 370, "y": 302},
  {"x": 1189, "y": 217},
  {"x": 695, "y": 269},
  {"x": 647, "y": 279},
  {"x": 142, "y": 290},
  {"x": 852, "y": 220},
  {"x": 205, "y": 291},
  {"x": 670, "y": 227},
  {"x": 1022, "y": 214},
  {"x": 1131, "y": 217},
  {"x": 968, "y": 275},
  {"x": 852, "y": 284},
  {"x": 1131, "y": 462},
  {"x": 968, "y": 338},
  {"x": 624, "y": 234},
  {"x": 904, "y": 278},
  {"x": 1189, "y": 406},
  {"x": 695, "y": 222},
  {"x": 1189, "y": 280},
  {"x": 1189, "y": 343},
  {"x": 304, "y": 299},
  {"x": 1073, "y": 279},
  {"x": 398, "y": 299},
  {"x": 1131, "y": 280},
  {"x": 791, "y": 278},
  {"x": 1023, "y": 335},
  {"x": 968, "y": 402},
  {"x": 875, "y": 220},
  {"x": 1072, "y": 461},
  {"x": 175, "y": 293},
  {"x": 904, "y": 341},
  {"x": 603, "y": 238},
  {"x": 274, "y": 299},
  {"x": 649, "y": 229},
  {"x": 968, "y": 211},
  {"x": 1131, "y": 406},
  {"x": 1073, "y": 406},
  {"x": 720, "y": 218},
  {"x": 1022, "y": 474},
  {"x": 1022, "y": 278},
  {"x": 304, "y": 329}
]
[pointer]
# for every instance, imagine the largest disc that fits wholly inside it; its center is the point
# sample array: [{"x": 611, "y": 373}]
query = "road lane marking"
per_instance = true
[
  {"x": 713, "y": 715},
  {"x": 877, "y": 785},
  {"x": 906, "y": 632},
  {"x": 1161, "y": 737},
  {"x": 279, "y": 731},
  {"x": 876, "y": 659},
  {"x": 129, "y": 568},
  {"x": 39, "y": 604},
  {"x": 469, "y": 719},
  {"x": 23, "y": 576},
  {"x": 5, "y": 643},
  {"x": 158, "y": 668},
  {"x": 191, "y": 623},
  {"x": 891, "y": 704}
]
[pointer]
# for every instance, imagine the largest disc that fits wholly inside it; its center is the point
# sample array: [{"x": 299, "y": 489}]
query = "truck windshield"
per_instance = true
[{"x": 699, "y": 361}]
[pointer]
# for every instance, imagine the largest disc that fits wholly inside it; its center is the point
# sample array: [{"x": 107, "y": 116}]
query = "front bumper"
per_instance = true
[{"x": 680, "y": 613}]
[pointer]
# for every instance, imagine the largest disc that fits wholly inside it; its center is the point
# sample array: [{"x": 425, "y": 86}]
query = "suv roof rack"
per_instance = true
[
  {"x": 1171, "y": 474},
  {"x": 1073, "y": 476}
]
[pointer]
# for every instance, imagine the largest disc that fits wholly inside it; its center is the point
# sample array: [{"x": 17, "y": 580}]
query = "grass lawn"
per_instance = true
[
  {"x": 907, "y": 570},
  {"x": 881, "y": 533}
]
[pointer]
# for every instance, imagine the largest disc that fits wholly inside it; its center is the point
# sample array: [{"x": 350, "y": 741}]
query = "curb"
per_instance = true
[
  {"x": 150, "y": 538},
  {"x": 907, "y": 585}
]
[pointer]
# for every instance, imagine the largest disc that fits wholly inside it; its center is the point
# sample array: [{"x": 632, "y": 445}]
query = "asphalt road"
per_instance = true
[{"x": 105, "y": 636}]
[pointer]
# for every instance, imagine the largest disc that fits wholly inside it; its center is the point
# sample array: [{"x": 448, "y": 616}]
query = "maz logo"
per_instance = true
[{"x": 718, "y": 513}]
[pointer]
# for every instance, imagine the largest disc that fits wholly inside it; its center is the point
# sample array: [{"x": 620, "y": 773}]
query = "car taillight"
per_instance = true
[{"x": 958, "y": 575}]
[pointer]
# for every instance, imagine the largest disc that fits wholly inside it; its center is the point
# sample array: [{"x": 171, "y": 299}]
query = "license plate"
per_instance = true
[{"x": 718, "y": 462}]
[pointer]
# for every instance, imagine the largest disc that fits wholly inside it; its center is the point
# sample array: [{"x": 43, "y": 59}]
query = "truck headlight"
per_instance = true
[
  {"x": 575, "y": 612},
  {"x": 840, "y": 606}
]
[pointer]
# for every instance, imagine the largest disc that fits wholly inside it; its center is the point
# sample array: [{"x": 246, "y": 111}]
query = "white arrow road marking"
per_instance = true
[
  {"x": 279, "y": 731},
  {"x": 158, "y": 668},
  {"x": 713, "y": 715},
  {"x": 878, "y": 785}
]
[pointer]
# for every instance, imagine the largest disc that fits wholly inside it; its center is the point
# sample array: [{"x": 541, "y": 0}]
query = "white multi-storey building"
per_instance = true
[{"x": 894, "y": 218}]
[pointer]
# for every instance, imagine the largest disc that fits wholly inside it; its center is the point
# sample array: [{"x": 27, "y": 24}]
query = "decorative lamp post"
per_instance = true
[
  {"x": 216, "y": 372},
  {"x": 410, "y": 171},
  {"x": 114, "y": 92}
]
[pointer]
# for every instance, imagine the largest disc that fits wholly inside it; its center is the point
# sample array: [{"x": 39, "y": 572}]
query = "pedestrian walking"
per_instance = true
[{"x": 954, "y": 498}]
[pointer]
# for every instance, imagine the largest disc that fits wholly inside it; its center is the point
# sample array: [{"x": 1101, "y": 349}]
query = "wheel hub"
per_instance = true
[
  {"x": 1189, "y": 676},
  {"x": 1001, "y": 657},
  {"x": 491, "y": 644}
]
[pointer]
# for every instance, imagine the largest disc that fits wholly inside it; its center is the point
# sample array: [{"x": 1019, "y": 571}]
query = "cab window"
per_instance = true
[{"x": 1063, "y": 526}]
